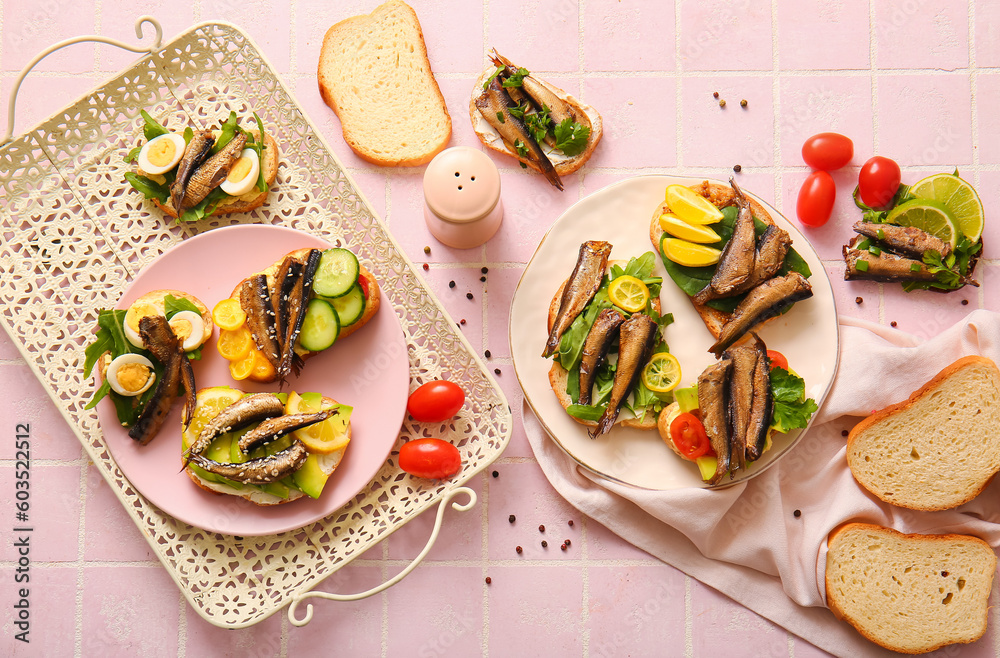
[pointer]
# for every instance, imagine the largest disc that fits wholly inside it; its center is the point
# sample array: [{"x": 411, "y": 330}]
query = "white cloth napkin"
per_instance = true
[{"x": 745, "y": 541}]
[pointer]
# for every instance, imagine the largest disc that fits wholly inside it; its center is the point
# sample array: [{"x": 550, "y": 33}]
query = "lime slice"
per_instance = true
[
  {"x": 958, "y": 197},
  {"x": 662, "y": 373},
  {"x": 677, "y": 227},
  {"x": 691, "y": 206},
  {"x": 628, "y": 293},
  {"x": 927, "y": 215},
  {"x": 690, "y": 254}
]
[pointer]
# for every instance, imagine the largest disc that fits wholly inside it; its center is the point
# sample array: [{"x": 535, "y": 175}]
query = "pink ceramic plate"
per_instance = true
[{"x": 367, "y": 370}]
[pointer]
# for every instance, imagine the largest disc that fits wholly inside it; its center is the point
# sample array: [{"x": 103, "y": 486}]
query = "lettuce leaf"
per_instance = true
[
  {"x": 792, "y": 409},
  {"x": 149, "y": 188}
]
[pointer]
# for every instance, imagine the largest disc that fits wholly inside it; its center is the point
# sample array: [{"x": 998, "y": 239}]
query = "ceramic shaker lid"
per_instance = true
[{"x": 461, "y": 184}]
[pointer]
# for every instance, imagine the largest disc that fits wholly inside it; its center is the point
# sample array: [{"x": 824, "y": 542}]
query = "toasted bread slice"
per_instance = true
[
  {"x": 564, "y": 164},
  {"x": 372, "y": 303},
  {"x": 374, "y": 73},
  {"x": 559, "y": 375},
  {"x": 243, "y": 203},
  {"x": 720, "y": 196},
  {"x": 328, "y": 464},
  {"x": 937, "y": 449},
  {"x": 909, "y": 593}
]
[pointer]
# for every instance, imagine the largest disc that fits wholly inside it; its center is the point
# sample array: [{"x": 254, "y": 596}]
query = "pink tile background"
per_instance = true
[{"x": 919, "y": 86}]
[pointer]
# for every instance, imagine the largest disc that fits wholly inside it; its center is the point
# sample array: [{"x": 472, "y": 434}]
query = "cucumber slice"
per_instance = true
[
  {"x": 337, "y": 271},
  {"x": 351, "y": 306},
  {"x": 320, "y": 327}
]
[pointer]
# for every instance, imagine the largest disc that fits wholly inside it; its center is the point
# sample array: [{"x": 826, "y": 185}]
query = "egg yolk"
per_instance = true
[
  {"x": 162, "y": 152},
  {"x": 138, "y": 311},
  {"x": 240, "y": 170},
  {"x": 182, "y": 329},
  {"x": 132, "y": 376}
]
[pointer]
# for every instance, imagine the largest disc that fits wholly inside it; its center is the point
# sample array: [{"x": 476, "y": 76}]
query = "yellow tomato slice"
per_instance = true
[
  {"x": 628, "y": 293},
  {"x": 241, "y": 368},
  {"x": 262, "y": 368},
  {"x": 228, "y": 314}
]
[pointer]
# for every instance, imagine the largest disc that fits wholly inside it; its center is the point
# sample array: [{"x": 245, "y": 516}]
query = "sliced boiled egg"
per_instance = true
[
  {"x": 243, "y": 174},
  {"x": 161, "y": 154},
  {"x": 189, "y": 327},
  {"x": 130, "y": 374},
  {"x": 136, "y": 312}
]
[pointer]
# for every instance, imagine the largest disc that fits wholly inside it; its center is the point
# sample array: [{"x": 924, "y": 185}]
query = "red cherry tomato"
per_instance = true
[
  {"x": 430, "y": 458},
  {"x": 816, "y": 199},
  {"x": 435, "y": 402},
  {"x": 688, "y": 435},
  {"x": 878, "y": 181},
  {"x": 827, "y": 151},
  {"x": 777, "y": 359}
]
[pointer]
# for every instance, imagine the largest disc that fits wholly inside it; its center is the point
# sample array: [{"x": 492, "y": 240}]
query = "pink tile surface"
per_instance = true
[
  {"x": 843, "y": 45},
  {"x": 644, "y": 36},
  {"x": 52, "y": 526},
  {"x": 910, "y": 37},
  {"x": 919, "y": 84},
  {"x": 51, "y": 616},
  {"x": 933, "y": 114},
  {"x": 720, "y": 35}
]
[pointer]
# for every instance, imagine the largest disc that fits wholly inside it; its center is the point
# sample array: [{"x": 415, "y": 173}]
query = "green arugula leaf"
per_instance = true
[
  {"x": 571, "y": 343},
  {"x": 205, "y": 208},
  {"x": 571, "y": 137},
  {"x": 133, "y": 155},
  {"x": 229, "y": 128},
  {"x": 151, "y": 127},
  {"x": 174, "y": 305},
  {"x": 491, "y": 78},
  {"x": 188, "y": 135},
  {"x": 259, "y": 146},
  {"x": 585, "y": 411},
  {"x": 149, "y": 188}
]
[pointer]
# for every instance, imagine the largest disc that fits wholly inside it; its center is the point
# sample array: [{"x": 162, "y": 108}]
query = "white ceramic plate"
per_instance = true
[{"x": 621, "y": 213}]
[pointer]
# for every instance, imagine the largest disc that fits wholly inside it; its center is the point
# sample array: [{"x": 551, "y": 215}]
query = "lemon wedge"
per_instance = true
[
  {"x": 690, "y": 254},
  {"x": 678, "y": 228},
  {"x": 690, "y": 206}
]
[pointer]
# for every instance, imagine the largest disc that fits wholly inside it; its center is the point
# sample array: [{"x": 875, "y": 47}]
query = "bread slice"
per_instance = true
[
  {"x": 909, "y": 593},
  {"x": 937, "y": 449},
  {"x": 373, "y": 300},
  {"x": 564, "y": 164},
  {"x": 720, "y": 196},
  {"x": 374, "y": 73},
  {"x": 245, "y": 202}
]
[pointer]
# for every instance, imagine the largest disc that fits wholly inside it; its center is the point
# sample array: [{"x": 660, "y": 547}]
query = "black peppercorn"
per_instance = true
[
  {"x": 451, "y": 284},
  {"x": 511, "y": 518},
  {"x": 570, "y": 523},
  {"x": 738, "y": 168},
  {"x": 496, "y": 371},
  {"x": 965, "y": 302},
  {"x": 468, "y": 295},
  {"x": 844, "y": 432},
  {"x": 858, "y": 300},
  {"x": 485, "y": 270},
  {"x": 482, "y": 278},
  {"x": 488, "y": 354},
  {"x": 797, "y": 513},
  {"x": 545, "y": 544},
  {"x": 496, "y": 474}
]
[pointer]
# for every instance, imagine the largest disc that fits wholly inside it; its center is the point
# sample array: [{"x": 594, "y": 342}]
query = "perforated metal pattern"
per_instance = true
[{"x": 74, "y": 235}]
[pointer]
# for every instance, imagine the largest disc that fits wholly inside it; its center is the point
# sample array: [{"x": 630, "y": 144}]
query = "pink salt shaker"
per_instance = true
[{"x": 462, "y": 204}]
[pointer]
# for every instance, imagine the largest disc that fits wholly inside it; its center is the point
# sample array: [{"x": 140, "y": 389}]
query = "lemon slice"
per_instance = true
[
  {"x": 628, "y": 293},
  {"x": 927, "y": 215},
  {"x": 677, "y": 227},
  {"x": 662, "y": 373},
  {"x": 689, "y": 254},
  {"x": 234, "y": 345},
  {"x": 690, "y": 206},
  {"x": 229, "y": 315},
  {"x": 958, "y": 197},
  {"x": 209, "y": 403},
  {"x": 323, "y": 438}
]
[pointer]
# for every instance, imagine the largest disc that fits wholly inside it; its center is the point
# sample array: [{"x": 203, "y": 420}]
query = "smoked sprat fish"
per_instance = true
[
  {"x": 262, "y": 470},
  {"x": 637, "y": 337},
  {"x": 273, "y": 429},
  {"x": 212, "y": 172},
  {"x": 713, "y": 394},
  {"x": 761, "y": 303},
  {"x": 159, "y": 338},
  {"x": 195, "y": 153},
  {"x": 595, "y": 348},
  {"x": 245, "y": 411},
  {"x": 255, "y": 299},
  {"x": 494, "y": 104},
  {"x": 907, "y": 241},
  {"x": 580, "y": 288}
]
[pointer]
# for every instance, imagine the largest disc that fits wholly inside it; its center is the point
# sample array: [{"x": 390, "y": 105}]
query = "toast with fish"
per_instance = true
[
  {"x": 558, "y": 375},
  {"x": 907, "y": 592},
  {"x": 937, "y": 449},
  {"x": 264, "y": 495},
  {"x": 366, "y": 280},
  {"x": 131, "y": 375},
  {"x": 720, "y": 196},
  {"x": 489, "y": 132},
  {"x": 374, "y": 74}
]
